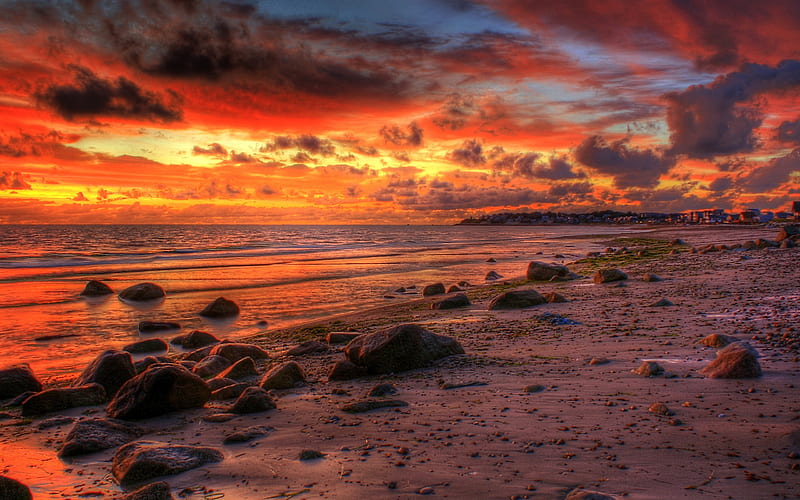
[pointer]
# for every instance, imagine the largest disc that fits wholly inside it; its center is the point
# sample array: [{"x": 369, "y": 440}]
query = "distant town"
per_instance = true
[{"x": 717, "y": 216}]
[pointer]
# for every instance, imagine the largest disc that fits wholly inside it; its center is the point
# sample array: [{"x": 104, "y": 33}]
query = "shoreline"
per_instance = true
[{"x": 588, "y": 426}]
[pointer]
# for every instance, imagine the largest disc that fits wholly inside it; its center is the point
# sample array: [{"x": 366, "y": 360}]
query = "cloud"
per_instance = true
[
  {"x": 394, "y": 135},
  {"x": 532, "y": 166},
  {"x": 80, "y": 197},
  {"x": 470, "y": 154},
  {"x": 789, "y": 132},
  {"x": 214, "y": 149},
  {"x": 630, "y": 167},
  {"x": 31, "y": 144},
  {"x": 306, "y": 142},
  {"x": 773, "y": 174},
  {"x": 471, "y": 197},
  {"x": 13, "y": 181},
  {"x": 719, "y": 118},
  {"x": 91, "y": 96}
]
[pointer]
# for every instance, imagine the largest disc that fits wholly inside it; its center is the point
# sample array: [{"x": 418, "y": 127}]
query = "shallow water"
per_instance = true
[{"x": 283, "y": 275}]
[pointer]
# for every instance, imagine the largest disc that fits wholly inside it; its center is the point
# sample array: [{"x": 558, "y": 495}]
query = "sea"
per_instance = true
[{"x": 280, "y": 276}]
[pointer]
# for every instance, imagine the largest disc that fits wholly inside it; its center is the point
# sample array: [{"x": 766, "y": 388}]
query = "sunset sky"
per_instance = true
[{"x": 420, "y": 111}]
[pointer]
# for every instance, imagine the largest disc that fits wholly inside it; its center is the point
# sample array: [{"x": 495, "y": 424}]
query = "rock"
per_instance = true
[
  {"x": 737, "y": 360},
  {"x": 233, "y": 352},
  {"x": 219, "y": 417},
  {"x": 340, "y": 337},
  {"x": 553, "y": 298},
  {"x": 581, "y": 494},
  {"x": 435, "y": 289},
  {"x": 762, "y": 244},
  {"x": 381, "y": 390},
  {"x": 750, "y": 245},
  {"x": 230, "y": 391},
  {"x": 662, "y": 303},
  {"x": 158, "y": 390},
  {"x": 491, "y": 259},
  {"x": 253, "y": 400},
  {"x": 17, "y": 380},
  {"x": 220, "y": 308},
  {"x": 541, "y": 271},
  {"x": 283, "y": 376},
  {"x": 346, "y": 370},
  {"x": 142, "y": 292},
  {"x": 787, "y": 232},
  {"x": 453, "y": 302},
  {"x": 111, "y": 369},
  {"x": 219, "y": 383},
  {"x": 372, "y": 404},
  {"x": 649, "y": 369},
  {"x": 454, "y": 289},
  {"x": 677, "y": 242},
  {"x": 95, "y": 434},
  {"x": 157, "y": 326},
  {"x": 11, "y": 489},
  {"x": 660, "y": 409},
  {"x": 96, "y": 289},
  {"x": 211, "y": 366},
  {"x": 311, "y": 455},
  {"x": 716, "y": 340},
  {"x": 18, "y": 400},
  {"x": 400, "y": 348},
  {"x": 533, "y": 388},
  {"x": 63, "y": 398},
  {"x": 145, "y": 363},
  {"x": 788, "y": 244},
  {"x": 651, "y": 278},
  {"x": 309, "y": 347},
  {"x": 141, "y": 461},
  {"x": 195, "y": 340},
  {"x": 149, "y": 345},
  {"x": 492, "y": 276},
  {"x": 55, "y": 422},
  {"x": 199, "y": 354},
  {"x": 241, "y": 370},
  {"x": 152, "y": 491},
  {"x": 248, "y": 434},
  {"x": 517, "y": 299},
  {"x": 609, "y": 275}
]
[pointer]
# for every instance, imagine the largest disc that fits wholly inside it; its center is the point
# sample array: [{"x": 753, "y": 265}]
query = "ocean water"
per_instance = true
[{"x": 281, "y": 275}]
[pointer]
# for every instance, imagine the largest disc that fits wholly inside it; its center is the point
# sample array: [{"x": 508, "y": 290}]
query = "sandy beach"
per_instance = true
[{"x": 545, "y": 399}]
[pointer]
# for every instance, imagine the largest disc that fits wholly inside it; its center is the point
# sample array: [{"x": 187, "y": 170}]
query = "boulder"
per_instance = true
[
  {"x": 736, "y": 360},
  {"x": 230, "y": 391},
  {"x": 220, "y": 308},
  {"x": 111, "y": 369},
  {"x": 96, "y": 434},
  {"x": 581, "y": 494},
  {"x": 309, "y": 347},
  {"x": 242, "y": 369},
  {"x": 541, "y": 271},
  {"x": 609, "y": 275},
  {"x": 651, "y": 278},
  {"x": 452, "y": 302},
  {"x": 761, "y": 243},
  {"x": 340, "y": 337},
  {"x": 142, "y": 292},
  {"x": 153, "y": 491},
  {"x": 493, "y": 276},
  {"x": 158, "y": 390},
  {"x": 219, "y": 383},
  {"x": 17, "y": 380},
  {"x": 199, "y": 354},
  {"x": 233, "y": 352},
  {"x": 787, "y": 232},
  {"x": 649, "y": 369},
  {"x": 555, "y": 298},
  {"x": 454, "y": 289},
  {"x": 400, "y": 348},
  {"x": 788, "y": 244},
  {"x": 157, "y": 326},
  {"x": 63, "y": 398},
  {"x": 382, "y": 390},
  {"x": 11, "y": 489},
  {"x": 717, "y": 340},
  {"x": 145, "y": 346},
  {"x": 211, "y": 366},
  {"x": 194, "y": 340},
  {"x": 284, "y": 376},
  {"x": 247, "y": 434},
  {"x": 434, "y": 289},
  {"x": 96, "y": 289},
  {"x": 346, "y": 370},
  {"x": 517, "y": 299},
  {"x": 146, "y": 362},
  {"x": 253, "y": 400},
  {"x": 141, "y": 461}
]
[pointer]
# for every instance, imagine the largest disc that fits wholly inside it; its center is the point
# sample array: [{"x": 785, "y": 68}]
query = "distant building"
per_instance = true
[
  {"x": 796, "y": 210},
  {"x": 748, "y": 217}
]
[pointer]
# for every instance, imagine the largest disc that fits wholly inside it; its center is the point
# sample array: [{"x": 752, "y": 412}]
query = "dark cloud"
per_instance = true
[
  {"x": 13, "y": 181},
  {"x": 570, "y": 192},
  {"x": 470, "y": 154},
  {"x": 789, "y": 132},
  {"x": 266, "y": 190},
  {"x": 630, "y": 167},
  {"x": 532, "y": 166},
  {"x": 79, "y": 196},
  {"x": 310, "y": 143},
  {"x": 455, "y": 112},
  {"x": 91, "y": 96},
  {"x": 26, "y": 144},
  {"x": 719, "y": 119},
  {"x": 242, "y": 158},
  {"x": 411, "y": 137},
  {"x": 213, "y": 149},
  {"x": 471, "y": 197},
  {"x": 720, "y": 184},
  {"x": 772, "y": 174}
]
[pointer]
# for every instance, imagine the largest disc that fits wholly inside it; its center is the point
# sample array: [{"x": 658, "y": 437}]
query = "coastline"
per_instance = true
[{"x": 588, "y": 426}]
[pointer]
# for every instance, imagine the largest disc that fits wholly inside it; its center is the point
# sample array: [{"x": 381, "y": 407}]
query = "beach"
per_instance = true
[{"x": 543, "y": 401}]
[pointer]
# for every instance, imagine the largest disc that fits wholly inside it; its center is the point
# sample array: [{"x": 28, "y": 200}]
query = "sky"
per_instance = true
[{"x": 413, "y": 112}]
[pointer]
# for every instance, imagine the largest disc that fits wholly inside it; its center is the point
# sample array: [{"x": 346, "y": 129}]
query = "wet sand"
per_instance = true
[{"x": 588, "y": 425}]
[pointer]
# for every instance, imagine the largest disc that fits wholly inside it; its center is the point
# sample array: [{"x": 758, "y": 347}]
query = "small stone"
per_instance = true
[
  {"x": 381, "y": 390},
  {"x": 660, "y": 409},
  {"x": 372, "y": 404},
  {"x": 662, "y": 303},
  {"x": 142, "y": 292},
  {"x": 96, "y": 289},
  {"x": 649, "y": 369},
  {"x": 311, "y": 455},
  {"x": 220, "y": 308},
  {"x": 533, "y": 388}
]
